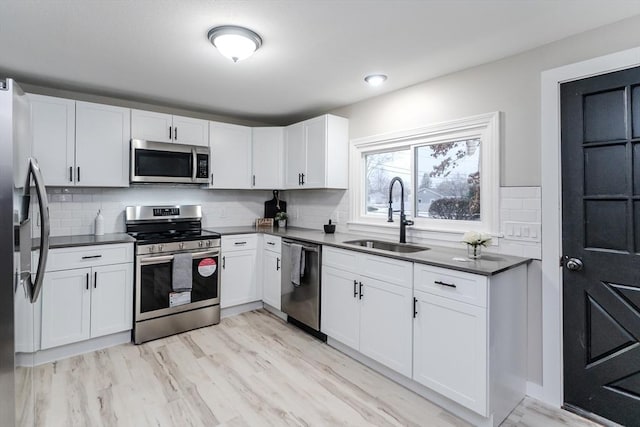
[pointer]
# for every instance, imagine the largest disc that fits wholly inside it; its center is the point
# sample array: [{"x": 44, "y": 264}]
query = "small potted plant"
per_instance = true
[
  {"x": 281, "y": 217},
  {"x": 475, "y": 241}
]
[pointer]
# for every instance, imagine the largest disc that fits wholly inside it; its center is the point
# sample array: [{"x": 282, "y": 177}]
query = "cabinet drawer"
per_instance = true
[
  {"x": 456, "y": 285},
  {"x": 239, "y": 242},
  {"x": 89, "y": 256},
  {"x": 272, "y": 243},
  {"x": 386, "y": 269},
  {"x": 339, "y": 258}
]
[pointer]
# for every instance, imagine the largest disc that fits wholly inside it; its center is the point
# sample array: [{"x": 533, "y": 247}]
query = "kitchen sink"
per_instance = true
[{"x": 387, "y": 246}]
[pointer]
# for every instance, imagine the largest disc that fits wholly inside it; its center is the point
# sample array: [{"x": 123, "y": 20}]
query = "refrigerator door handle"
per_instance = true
[{"x": 34, "y": 287}]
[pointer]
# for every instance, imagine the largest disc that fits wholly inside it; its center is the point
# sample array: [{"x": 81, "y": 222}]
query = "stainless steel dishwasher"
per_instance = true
[{"x": 302, "y": 303}]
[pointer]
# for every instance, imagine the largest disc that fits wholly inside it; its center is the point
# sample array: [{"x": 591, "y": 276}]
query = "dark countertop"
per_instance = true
[
  {"x": 85, "y": 240},
  {"x": 440, "y": 256}
]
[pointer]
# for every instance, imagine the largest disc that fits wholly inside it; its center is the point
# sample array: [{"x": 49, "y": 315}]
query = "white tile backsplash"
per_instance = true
[{"x": 73, "y": 210}]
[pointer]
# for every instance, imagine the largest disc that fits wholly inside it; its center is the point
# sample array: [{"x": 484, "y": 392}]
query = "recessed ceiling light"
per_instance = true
[
  {"x": 375, "y": 79},
  {"x": 236, "y": 43}
]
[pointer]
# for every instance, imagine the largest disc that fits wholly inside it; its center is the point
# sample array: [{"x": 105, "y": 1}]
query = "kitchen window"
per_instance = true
[{"x": 450, "y": 173}]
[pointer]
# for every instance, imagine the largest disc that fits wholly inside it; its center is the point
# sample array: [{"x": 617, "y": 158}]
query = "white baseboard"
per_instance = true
[
  {"x": 536, "y": 391},
  {"x": 275, "y": 312},
  {"x": 52, "y": 354},
  {"x": 239, "y": 309}
]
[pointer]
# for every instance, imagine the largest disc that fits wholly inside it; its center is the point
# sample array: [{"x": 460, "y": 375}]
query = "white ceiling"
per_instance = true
[{"x": 314, "y": 57}]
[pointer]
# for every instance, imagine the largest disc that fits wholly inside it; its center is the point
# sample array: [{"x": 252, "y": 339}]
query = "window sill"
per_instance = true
[{"x": 415, "y": 233}]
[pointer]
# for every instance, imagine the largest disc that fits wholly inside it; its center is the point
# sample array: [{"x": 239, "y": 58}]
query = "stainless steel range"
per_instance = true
[{"x": 177, "y": 287}]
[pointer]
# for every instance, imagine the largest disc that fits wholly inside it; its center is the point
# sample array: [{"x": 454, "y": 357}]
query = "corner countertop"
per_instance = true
[
  {"x": 440, "y": 256},
  {"x": 84, "y": 240}
]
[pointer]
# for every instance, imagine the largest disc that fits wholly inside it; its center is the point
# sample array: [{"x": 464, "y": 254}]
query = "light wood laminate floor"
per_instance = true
[{"x": 250, "y": 370}]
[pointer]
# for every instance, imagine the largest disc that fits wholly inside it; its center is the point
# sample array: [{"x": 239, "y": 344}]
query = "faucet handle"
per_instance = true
[{"x": 408, "y": 222}]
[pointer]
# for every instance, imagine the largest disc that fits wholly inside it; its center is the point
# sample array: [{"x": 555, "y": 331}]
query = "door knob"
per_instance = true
[{"x": 574, "y": 264}]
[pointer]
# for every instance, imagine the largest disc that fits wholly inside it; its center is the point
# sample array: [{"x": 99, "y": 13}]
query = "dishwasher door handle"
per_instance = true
[{"x": 306, "y": 248}]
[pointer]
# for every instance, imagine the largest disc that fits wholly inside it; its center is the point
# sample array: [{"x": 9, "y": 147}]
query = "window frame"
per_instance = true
[{"x": 486, "y": 127}]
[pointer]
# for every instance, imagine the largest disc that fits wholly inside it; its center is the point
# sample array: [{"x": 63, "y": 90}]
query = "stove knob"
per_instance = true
[
  {"x": 181, "y": 245},
  {"x": 152, "y": 248},
  {"x": 200, "y": 243},
  {"x": 160, "y": 248},
  {"x": 208, "y": 242}
]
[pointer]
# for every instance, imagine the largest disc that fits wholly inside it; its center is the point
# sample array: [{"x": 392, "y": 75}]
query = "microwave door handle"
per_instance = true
[
  {"x": 194, "y": 155},
  {"x": 34, "y": 287}
]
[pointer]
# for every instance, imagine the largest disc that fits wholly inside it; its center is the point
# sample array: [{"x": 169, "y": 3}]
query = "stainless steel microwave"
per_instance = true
[{"x": 169, "y": 163}]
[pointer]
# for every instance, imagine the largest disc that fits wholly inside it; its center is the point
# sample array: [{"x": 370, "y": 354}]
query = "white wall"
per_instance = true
[{"x": 511, "y": 85}]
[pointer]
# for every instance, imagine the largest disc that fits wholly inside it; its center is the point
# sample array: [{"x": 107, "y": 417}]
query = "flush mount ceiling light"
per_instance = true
[
  {"x": 375, "y": 79},
  {"x": 236, "y": 43}
]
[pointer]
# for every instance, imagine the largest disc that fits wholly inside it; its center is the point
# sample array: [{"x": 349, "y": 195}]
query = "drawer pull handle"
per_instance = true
[
  {"x": 271, "y": 243},
  {"x": 91, "y": 256},
  {"x": 240, "y": 243},
  {"x": 438, "y": 282}
]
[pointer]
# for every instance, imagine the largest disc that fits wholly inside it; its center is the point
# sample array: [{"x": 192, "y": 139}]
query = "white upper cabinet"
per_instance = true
[
  {"x": 151, "y": 126},
  {"x": 230, "y": 158},
  {"x": 187, "y": 130},
  {"x": 53, "y": 124},
  {"x": 316, "y": 153},
  {"x": 80, "y": 143},
  {"x": 160, "y": 127},
  {"x": 268, "y": 145},
  {"x": 102, "y": 145}
]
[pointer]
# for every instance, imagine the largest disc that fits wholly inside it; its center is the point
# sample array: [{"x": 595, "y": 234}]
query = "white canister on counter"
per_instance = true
[{"x": 99, "y": 224}]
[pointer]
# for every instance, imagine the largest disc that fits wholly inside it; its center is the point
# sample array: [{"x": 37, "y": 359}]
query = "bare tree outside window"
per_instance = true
[
  {"x": 380, "y": 169},
  {"x": 450, "y": 180}
]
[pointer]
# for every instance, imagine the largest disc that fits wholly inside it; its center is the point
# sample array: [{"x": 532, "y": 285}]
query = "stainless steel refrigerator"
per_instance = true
[{"x": 19, "y": 288}]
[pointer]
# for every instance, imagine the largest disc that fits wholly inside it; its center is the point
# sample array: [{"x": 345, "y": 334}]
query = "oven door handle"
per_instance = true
[{"x": 166, "y": 258}]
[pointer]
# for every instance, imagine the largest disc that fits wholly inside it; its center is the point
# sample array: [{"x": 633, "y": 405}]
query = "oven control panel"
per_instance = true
[
  {"x": 184, "y": 246},
  {"x": 166, "y": 211}
]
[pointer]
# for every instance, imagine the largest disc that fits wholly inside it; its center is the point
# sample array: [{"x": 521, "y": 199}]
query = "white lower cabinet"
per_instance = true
[
  {"x": 88, "y": 302},
  {"x": 385, "y": 324},
  {"x": 340, "y": 317},
  {"x": 238, "y": 284},
  {"x": 271, "y": 272},
  {"x": 364, "y": 313},
  {"x": 458, "y": 337},
  {"x": 66, "y": 305},
  {"x": 450, "y": 349}
]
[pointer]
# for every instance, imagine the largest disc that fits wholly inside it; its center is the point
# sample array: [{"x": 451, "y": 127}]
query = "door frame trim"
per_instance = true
[{"x": 552, "y": 390}]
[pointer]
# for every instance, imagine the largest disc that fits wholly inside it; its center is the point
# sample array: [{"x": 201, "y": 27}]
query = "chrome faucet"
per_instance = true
[{"x": 403, "y": 219}]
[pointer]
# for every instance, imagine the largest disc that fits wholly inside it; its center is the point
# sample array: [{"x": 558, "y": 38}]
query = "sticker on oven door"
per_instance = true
[{"x": 207, "y": 267}]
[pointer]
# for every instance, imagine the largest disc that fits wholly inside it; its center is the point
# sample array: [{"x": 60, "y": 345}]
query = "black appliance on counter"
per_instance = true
[{"x": 161, "y": 233}]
